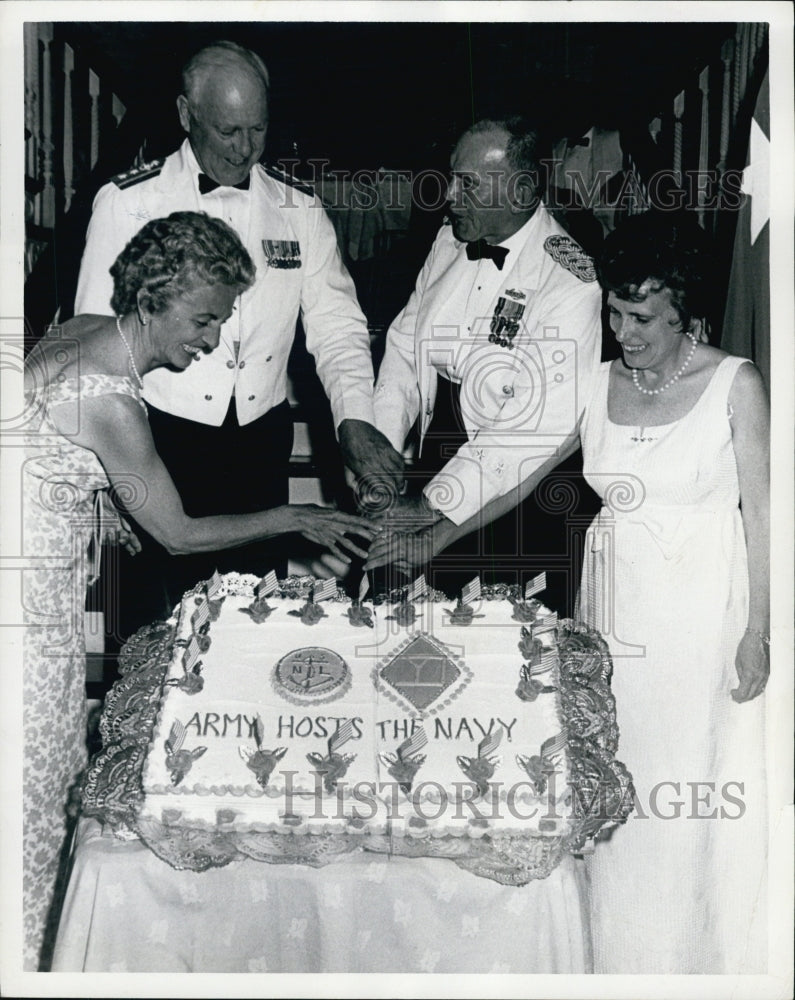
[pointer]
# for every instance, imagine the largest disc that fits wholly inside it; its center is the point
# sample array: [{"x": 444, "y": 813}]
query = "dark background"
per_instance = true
[
  {"x": 361, "y": 96},
  {"x": 388, "y": 94}
]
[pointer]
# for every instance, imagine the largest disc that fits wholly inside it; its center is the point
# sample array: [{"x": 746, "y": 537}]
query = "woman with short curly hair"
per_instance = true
[
  {"x": 175, "y": 284},
  {"x": 168, "y": 255}
]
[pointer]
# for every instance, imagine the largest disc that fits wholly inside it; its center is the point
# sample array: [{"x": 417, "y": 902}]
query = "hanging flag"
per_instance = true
[
  {"x": 471, "y": 591},
  {"x": 213, "y": 585},
  {"x": 364, "y": 586},
  {"x": 191, "y": 654},
  {"x": 490, "y": 742},
  {"x": 324, "y": 589},
  {"x": 342, "y": 735},
  {"x": 554, "y": 746},
  {"x": 746, "y": 322},
  {"x": 267, "y": 585},
  {"x": 176, "y": 738},
  {"x": 536, "y": 585},
  {"x": 546, "y": 623},
  {"x": 417, "y": 589},
  {"x": 200, "y": 616},
  {"x": 415, "y": 742}
]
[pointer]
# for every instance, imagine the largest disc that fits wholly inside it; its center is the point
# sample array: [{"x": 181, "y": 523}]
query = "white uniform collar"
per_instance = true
[
  {"x": 515, "y": 243},
  {"x": 191, "y": 163}
]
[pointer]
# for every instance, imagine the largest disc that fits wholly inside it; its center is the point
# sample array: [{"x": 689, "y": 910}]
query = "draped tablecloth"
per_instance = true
[{"x": 128, "y": 911}]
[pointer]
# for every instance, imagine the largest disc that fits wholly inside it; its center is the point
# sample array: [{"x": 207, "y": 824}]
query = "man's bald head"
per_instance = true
[
  {"x": 224, "y": 110},
  {"x": 222, "y": 58}
]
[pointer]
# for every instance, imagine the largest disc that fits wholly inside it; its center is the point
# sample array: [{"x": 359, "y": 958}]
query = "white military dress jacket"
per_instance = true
[
  {"x": 278, "y": 224},
  {"x": 518, "y": 403}
]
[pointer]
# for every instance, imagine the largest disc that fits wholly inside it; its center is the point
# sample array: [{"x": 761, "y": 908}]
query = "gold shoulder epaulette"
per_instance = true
[
  {"x": 137, "y": 174},
  {"x": 571, "y": 255},
  {"x": 295, "y": 182}
]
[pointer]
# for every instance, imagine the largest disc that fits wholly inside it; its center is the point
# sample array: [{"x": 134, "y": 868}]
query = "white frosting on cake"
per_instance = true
[{"x": 284, "y": 689}]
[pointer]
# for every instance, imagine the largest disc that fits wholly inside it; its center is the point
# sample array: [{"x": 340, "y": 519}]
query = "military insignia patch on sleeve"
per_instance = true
[
  {"x": 571, "y": 255},
  {"x": 137, "y": 174}
]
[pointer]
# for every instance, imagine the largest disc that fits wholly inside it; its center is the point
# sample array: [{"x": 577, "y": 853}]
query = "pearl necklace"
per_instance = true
[
  {"x": 129, "y": 351},
  {"x": 672, "y": 379}
]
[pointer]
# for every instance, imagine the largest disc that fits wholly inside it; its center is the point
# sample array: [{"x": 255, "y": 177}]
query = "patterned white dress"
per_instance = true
[
  {"x": 60, "y": 518},
  {"x": 680, "y": 888}
]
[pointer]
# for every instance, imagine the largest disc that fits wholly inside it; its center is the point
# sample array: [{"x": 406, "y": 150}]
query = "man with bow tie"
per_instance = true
[
  {"x": 492, "y": 354},
  {"x": 223, "y": 427}
]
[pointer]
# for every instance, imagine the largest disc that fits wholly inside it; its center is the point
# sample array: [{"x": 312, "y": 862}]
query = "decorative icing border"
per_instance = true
[{"x": 113, "y": 791}]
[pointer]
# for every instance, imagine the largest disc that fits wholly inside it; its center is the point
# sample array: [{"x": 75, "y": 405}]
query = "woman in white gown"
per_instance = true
[{"x": 676, "y": 577}]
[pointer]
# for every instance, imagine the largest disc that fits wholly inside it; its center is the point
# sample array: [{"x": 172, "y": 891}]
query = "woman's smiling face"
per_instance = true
[
  {"x": 648, "y": 330},
  {"x": 191, "y": 322}
]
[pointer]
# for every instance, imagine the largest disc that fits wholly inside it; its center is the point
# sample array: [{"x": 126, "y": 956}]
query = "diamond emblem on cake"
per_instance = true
[{"x": 422, "y": 670}]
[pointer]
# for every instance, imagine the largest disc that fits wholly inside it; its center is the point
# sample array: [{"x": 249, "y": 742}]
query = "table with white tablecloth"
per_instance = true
[{"x": 126, "y": 910}]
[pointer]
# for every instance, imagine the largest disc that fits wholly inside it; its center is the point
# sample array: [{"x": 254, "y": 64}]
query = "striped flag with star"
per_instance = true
[
  {"x": 342, "y": 735},
  {"x": 324, "y": 589},
  {"x": 267, "y": 585},
  {"x": 191, "y": 654},
  {"x": 536, "y": 585},
  {"x": 548, "y": 660},
  {"x": 554, "y": 746},
  {"x": 417, "y": 589},
  {"x": 176, "y": 738},
  {"x": 415, "y": 742},
  {"x": 471, "y": 591},
  {"x": 213, "y": 585},
  {"x": 490, "y": 742},
  {"x": 200, "y": 616},
  {"x": 545, "y": 623}
]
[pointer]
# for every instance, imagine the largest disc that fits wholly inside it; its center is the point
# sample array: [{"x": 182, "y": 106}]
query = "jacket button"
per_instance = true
[
  {"x": 241, "y": 364},
  {"x": 250, "y": 398},
  {"x": 508, "y": 390},
  {"x": 230, "y": 364},
  {"x": 269, "y": 357},
  {"x": 208, "y": 397}
]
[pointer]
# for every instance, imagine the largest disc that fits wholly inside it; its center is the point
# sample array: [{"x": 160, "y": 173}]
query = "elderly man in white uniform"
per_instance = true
[
  {"x": 502, "y": 332},
  {"x": 223, "y": 426}
]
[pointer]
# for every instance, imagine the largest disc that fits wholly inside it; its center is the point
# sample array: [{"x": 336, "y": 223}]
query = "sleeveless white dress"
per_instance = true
[{"x": 680, "y": 888}]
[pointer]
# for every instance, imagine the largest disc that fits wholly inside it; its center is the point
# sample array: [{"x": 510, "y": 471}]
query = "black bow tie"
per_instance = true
[
  {"x": 207, "y": 184},
  {"x": 481, "y": 250}
]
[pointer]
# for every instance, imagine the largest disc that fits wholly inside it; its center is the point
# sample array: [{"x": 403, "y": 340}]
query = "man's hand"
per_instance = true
[
  {"x": 368, "y": 453},
  {"x": 408, "y": 514},
  {"x": 405, "y": 550}
]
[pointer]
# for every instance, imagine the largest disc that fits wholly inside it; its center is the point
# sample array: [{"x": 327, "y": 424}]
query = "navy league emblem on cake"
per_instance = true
[{"x": 311, "y": 675}]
